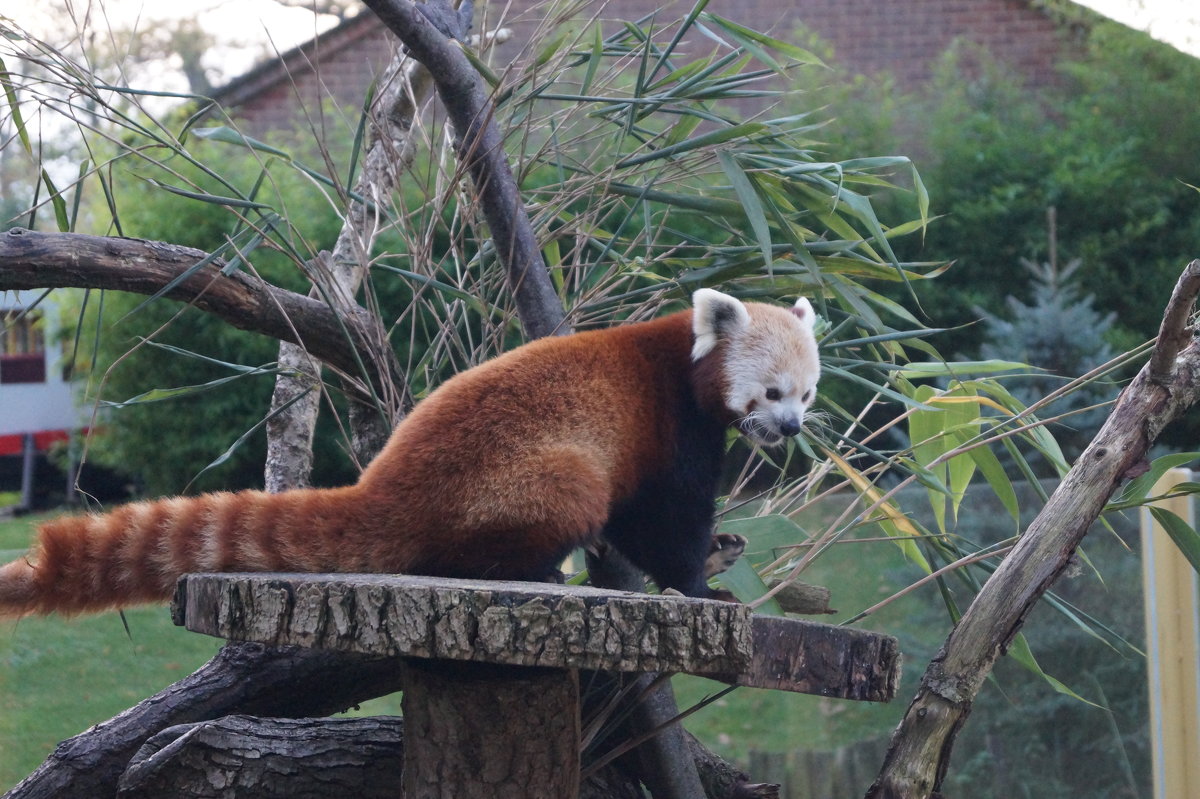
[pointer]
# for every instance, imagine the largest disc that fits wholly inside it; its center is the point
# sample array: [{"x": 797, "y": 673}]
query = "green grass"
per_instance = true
[{"x": 60, "y": 676}]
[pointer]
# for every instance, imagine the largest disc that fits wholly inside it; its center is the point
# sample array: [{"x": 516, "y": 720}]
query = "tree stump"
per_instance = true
[{"x": 490, "y": 668}]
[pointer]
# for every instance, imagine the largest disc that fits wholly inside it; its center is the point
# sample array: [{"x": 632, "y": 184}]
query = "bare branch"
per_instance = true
[
  {"x": 247, "y": 678},
  {"x": 32, "y": 260},
  {"x": 1174, "y": 332},
  {"x": 919, "y": 754}
]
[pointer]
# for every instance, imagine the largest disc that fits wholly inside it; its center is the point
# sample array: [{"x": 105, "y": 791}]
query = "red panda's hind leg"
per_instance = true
[{"x": 557, "y": 499}]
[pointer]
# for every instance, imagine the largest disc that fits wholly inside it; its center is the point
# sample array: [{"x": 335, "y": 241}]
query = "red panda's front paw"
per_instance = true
[{"x": 726, "y": 549}]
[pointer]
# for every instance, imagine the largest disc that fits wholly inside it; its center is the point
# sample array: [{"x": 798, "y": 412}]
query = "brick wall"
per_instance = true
[{"x": 904, "y": 37}]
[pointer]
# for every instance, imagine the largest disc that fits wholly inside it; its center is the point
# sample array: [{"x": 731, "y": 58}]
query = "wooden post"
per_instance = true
[
  {"x": 1172, "y": 649},
  {"x": 490, "y": 731}
]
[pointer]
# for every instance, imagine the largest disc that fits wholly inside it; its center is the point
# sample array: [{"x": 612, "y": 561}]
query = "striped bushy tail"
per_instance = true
[{"x": 137, "y": 552}]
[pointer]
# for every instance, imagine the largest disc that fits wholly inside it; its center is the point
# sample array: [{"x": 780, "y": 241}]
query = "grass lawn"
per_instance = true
[{"x": 59, "y": 676}]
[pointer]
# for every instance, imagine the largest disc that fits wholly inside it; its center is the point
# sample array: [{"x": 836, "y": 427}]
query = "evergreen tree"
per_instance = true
[{"x": 1063, "y": 334}]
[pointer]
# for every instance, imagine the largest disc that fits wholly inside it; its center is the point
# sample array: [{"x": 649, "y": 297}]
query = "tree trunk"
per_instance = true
[
  {"x": 296, "y": 400},
  {"x": 491, "y": 732}
]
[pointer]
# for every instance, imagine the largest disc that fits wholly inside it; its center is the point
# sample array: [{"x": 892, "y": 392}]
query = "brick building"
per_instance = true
[{"x": 902, "y": 37}]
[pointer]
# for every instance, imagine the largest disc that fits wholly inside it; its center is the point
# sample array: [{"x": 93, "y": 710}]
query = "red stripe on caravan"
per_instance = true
[{"x": 14, "y": 444}]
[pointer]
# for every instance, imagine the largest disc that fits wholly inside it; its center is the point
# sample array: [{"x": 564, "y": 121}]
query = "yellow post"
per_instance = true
[{"x": 1172, "y": 649}]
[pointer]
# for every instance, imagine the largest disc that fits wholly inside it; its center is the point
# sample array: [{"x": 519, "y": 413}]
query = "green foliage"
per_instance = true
[
  {"x": 1109, "y": 152},
  {"x": 1061, "y": 333},
  {"x": 165, "y": 441}
]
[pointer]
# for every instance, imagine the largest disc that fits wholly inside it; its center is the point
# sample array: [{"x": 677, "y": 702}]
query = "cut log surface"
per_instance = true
[{"x": 539, "y": 624}]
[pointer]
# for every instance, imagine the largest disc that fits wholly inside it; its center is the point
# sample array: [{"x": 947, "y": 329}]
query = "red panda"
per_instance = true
[{"x": 498, "y": 474}]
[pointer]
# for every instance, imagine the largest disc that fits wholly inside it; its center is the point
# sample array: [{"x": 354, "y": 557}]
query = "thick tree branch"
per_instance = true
[
  {"x": 32, "y": 260},
  {"x": 248, "y": 678},
  {"x": 919, "y": 754},
  {"x": 363, "y": 757},
  {"x": 266, "y": 681},
  {"x": 480, "y": 149},
  {"x": 293, "y": 759}
]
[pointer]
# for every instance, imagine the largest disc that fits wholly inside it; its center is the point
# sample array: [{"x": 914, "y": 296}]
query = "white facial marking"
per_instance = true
[{"x": 772, "y": 367}]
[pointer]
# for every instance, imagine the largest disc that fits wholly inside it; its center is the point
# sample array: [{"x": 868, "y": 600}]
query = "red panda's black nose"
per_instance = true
[{"x": 790, "y": 426}]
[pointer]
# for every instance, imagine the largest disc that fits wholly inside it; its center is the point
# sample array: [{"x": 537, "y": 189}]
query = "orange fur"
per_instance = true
[{"x": 498, "y": 474}]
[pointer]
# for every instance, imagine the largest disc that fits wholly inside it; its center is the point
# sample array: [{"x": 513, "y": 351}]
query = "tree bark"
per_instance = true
[
  {"x": 33, "y": 260},
  {"x": 919, "y": 754},
  {"x": 309, "y": 758},
  {"x": 244, "y": 756},
  {"x": 540, "y": 624},
  {"x": 492, "y": 732}
]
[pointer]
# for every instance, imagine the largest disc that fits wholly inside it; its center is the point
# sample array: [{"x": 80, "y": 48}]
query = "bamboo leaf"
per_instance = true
[
  {"x": 766, "y": 534},
  {"x": 59, "y": 204},
  {"x": 956, "y": 369},
  {"x": 704, "y": 140},
  {"x": 1183, "y": 534},
  {"x": 14, "y": 107},
  {"x": 743, "y": 581},
  {"x": 1138, "y": 489},
  {"x": 744, "y": 188},
  {"x": 992, "y": 470},
  {"x": 160, "y": 394},
  {"x": 1019, "y": 651},
  {"x": 897, "y": 526},
  {"x": 228, "y": 135}
]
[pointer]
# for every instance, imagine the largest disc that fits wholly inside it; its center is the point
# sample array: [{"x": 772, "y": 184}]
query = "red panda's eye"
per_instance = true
[
  {"x": 807, "y": 396},
  {"x": 773, "y": 394}
]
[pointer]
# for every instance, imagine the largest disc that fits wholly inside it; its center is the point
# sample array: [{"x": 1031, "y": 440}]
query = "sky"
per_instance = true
[{"x": 1174, "y": 21}]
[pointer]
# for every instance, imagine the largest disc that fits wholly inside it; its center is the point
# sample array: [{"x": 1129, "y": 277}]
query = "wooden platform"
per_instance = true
[{"x": 540, "y": 624}]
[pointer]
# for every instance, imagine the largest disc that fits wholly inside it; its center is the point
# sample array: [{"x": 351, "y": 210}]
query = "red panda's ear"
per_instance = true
[
  {"x": 804, "y": 312},
  {"x": 715, "y": 316}
]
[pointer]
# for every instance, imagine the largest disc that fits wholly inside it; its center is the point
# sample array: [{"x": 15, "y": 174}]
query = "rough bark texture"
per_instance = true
[
  {"x": 722, "y": 779},
  {"x": 494, "y": 732},
  {"x": 536, "y": 624},
  {"x": 520, "y": 624},
  {"x": 919, "y": 754},
  {"x": 822, "y": 659},
  {"x": 32, "y": 260},
  {"x": 805, "y": 599},
  {"x": 480, "y": 149},
  {"x": 248, "y": 678},
  {"x": 244, "y": 756},
  {"x": 311, "y": 758}
]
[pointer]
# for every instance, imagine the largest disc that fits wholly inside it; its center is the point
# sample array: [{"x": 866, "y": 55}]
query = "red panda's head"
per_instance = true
[{"x": 769, "y": 362}]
